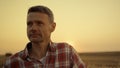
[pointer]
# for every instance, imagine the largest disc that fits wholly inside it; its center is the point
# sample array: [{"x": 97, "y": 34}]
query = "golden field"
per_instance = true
[{"x": 101, "y": 59}]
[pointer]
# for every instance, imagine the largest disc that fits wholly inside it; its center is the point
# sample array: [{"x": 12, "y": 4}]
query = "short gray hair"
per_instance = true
[{"x": 42, "y": 9}]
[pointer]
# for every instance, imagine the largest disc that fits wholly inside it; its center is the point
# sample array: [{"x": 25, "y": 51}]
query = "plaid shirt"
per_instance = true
[{"x": 59, "y": 55}]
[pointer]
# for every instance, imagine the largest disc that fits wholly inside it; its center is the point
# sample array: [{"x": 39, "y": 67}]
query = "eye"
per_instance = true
[
  {"x": 29, "y": 23},
  {"x": 39, "y": 23}
]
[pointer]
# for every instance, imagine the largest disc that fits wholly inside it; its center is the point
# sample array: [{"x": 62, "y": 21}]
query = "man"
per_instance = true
[{"x": 41, "y": 52}]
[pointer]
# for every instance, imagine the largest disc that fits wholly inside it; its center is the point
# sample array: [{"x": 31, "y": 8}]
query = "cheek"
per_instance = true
[
  {"x": 47, "y": 31},
  {"x": 28, "y": 31}
]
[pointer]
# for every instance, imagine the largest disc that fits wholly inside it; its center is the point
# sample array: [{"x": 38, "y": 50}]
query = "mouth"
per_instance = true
[{"x": 34, "y": 35}]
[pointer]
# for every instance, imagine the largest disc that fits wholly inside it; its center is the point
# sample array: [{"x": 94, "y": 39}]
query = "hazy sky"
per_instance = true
[{"x": 88, "y": 25}]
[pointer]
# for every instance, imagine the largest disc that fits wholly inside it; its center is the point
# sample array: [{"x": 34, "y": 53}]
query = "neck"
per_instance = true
[{"x": 39, "y": 50}]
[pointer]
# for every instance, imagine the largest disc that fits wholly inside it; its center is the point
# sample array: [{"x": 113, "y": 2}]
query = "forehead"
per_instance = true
[{"x": 37, "y": 16}]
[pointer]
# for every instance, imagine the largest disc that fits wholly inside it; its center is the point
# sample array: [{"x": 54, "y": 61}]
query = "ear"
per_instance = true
[{"x": 53, "y": 25}]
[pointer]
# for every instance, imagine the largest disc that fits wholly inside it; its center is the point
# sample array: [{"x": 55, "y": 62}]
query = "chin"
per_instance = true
[{"x": 36, "y": 41}]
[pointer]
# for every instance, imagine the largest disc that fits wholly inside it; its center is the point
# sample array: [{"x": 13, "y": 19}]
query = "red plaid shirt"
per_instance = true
[{"x": 59, "y": 55}]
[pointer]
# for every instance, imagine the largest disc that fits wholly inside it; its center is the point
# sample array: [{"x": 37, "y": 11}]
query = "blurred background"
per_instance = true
[
  {"x": 92, "y": 27},
  {"x": 88, "y": 25}
]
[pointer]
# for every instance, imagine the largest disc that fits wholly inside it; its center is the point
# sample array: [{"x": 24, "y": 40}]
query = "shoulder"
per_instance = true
[
  {"x": 16, "y": 55},
  {"x": 62, "y": 45},
  {"x": 12, "y": 59}
]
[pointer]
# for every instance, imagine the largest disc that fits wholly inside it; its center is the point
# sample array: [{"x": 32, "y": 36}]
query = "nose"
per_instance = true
[{"x": 34, "y": 27}]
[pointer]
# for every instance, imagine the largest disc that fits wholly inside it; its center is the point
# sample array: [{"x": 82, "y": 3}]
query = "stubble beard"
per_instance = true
[{"x": 36, "y": 39}]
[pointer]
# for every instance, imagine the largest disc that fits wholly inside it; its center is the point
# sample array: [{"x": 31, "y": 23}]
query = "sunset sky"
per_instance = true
[{"x": 88, "y": 25}]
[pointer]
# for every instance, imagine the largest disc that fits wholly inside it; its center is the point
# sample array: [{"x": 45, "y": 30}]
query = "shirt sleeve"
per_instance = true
[{"x": 76, "y": 60}]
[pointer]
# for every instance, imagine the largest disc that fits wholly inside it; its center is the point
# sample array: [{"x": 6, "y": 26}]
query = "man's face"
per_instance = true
[{"x": 39, "y": 27}]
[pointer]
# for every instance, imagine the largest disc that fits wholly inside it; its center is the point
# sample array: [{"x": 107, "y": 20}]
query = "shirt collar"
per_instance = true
[{"x": 25, "y": 55}]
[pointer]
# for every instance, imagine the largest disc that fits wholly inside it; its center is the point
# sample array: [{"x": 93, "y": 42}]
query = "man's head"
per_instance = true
[
  {"x": 42, "y": 9},
  {"x": 40, "y": 24}
]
